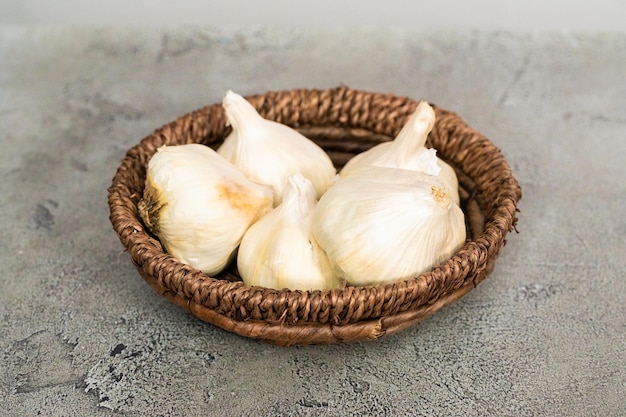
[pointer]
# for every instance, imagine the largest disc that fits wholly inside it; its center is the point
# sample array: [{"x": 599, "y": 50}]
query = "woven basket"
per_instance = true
[{"x": 344, "y": 122}]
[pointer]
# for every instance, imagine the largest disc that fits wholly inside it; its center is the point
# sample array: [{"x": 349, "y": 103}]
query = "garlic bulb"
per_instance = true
[
  {"x": 268, "y": 152},
  {"x": 279, "y": 252},
  {"x": 407, "y": 151},
  {"x": 200, "y": 205},
  {"x": 380, "y": 225}
]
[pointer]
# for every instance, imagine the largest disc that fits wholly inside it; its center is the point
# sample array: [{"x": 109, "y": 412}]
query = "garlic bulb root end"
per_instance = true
[{"x": 150, "y": 206}]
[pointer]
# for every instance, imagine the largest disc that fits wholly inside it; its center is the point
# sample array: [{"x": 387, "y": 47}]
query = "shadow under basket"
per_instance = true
[{"x": 344, "y": 122}]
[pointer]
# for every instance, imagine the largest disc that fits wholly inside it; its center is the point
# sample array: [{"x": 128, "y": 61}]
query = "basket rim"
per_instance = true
[{"x": 239, "y": 303}]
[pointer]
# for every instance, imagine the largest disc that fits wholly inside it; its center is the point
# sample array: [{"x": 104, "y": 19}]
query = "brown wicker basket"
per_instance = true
[{"x": 344, "y": 122}]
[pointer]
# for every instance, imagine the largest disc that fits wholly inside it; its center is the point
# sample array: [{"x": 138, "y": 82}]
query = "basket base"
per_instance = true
[{"x": 315, "y": 333}]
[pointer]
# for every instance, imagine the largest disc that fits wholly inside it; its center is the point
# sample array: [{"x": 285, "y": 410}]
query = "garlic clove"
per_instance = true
[
  {"x": 268, "y": 152},
  {"x": 199, "y": 205},
  {"x": 279, "y": 251},
  {"x": 408, "y": 151},
  {"x": 380, "y": 224}
]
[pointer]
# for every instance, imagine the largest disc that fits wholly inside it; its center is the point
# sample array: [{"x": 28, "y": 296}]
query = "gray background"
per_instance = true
[
  {"x": 82, "y": 334},
  {"x": 418, "y": 14}
]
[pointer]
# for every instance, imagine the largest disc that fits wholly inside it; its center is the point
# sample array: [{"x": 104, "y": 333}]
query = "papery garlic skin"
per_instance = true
[
  {"x": 381, "y": 225},
  {"x": 199, "y": 205},
  {"x": 407, "y": 151},
  {"x": 268, "y": 152},
  {"x": 279, "y": 252}
]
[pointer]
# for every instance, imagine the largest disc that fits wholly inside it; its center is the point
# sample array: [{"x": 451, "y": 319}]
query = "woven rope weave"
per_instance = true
[{"x": 344, "y": 122}]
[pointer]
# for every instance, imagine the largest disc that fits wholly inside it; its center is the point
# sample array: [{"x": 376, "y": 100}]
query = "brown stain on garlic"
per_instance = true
[
  {"x": 239, "y": 197},
  {"x": 440, "y": 195}
]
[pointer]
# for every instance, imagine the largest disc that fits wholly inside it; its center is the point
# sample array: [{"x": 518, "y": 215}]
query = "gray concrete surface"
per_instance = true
[
  {"x": 429, "y": 15},
  {"x": 81, "y": 334}
]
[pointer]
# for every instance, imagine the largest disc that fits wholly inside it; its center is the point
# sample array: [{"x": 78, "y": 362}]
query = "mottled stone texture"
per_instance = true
[{"x": 82, "y": 334}]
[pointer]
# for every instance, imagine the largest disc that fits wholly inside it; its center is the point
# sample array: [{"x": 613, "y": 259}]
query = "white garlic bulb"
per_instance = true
[
  {"x": 200, "y": 205},
  {"x": 407, "y": 151},
  {"x": 380, "y": 225},
  {"x": 279, "y": 252},
  {"x": 268, "y": 152}
]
